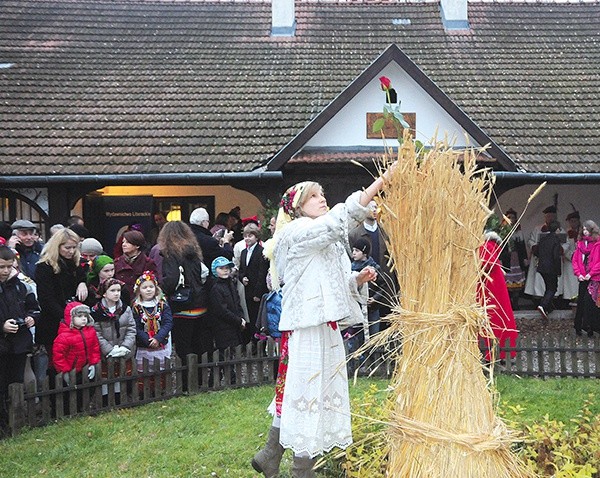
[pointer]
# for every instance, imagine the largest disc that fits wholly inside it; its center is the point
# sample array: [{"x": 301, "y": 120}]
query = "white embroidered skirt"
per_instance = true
[{"x": 315, "y": 413}]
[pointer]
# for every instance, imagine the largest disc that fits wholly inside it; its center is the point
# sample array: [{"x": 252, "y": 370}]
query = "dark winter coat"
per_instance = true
[
  {"x": 75, "y": 348},
  {"x": 549, "y": 253},
  {"x": 114, "y": 329},
  {"x": 129, "y": 272},
  {"x": 192, "y": 272},
  {"x": 54, "y": 290},
  {"x": 29, "y": 257},
  {"x": 16, "y": 302},
  {"x": 227, "y": 313},
  {"x": 210, "y": 246}
]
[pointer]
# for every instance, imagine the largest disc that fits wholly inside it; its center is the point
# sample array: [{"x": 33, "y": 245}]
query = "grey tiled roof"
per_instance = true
[{"x": 132, "y": 86}]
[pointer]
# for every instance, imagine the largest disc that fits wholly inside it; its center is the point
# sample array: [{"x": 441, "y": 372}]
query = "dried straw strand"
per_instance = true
[{"x": 443, "y": 421}]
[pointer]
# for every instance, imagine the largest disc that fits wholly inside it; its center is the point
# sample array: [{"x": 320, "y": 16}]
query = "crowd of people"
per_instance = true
[
  {"x": 563, "y": 268},
  {"x": 189, "y": 288},
  {"x": 68, "y": 304}
]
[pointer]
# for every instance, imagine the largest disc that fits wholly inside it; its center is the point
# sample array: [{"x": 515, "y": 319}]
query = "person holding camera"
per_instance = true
[{"x": 18, "y": 311}]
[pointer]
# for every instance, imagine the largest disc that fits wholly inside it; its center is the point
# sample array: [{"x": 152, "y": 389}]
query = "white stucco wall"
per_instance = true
[
  {"x": 348, "y": 126},
  {"x": 584, "y": 197}
]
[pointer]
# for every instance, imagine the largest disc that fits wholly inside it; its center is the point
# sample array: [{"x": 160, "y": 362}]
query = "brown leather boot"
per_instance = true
[
  {"x": 302, "y": 467},
  {"x": 267, "y": 460}
]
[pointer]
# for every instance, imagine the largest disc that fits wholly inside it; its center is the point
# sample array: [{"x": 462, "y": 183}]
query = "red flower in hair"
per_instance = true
[
  {"x": 287, "y": 201},
  {"x": 148, "y": 275}
]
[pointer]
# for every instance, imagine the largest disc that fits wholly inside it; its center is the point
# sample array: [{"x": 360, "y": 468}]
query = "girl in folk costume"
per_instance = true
[
  {"x": 153, "y": 321},
  {"x": 311, "y": 408},
  {"x": 586, "y": 267},
  {"x": 493, "y": 294}
]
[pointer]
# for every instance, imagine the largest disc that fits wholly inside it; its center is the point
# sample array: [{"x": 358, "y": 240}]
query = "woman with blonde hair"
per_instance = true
[
  {"x": 60, "y": 280},
  {"x": 182, "y": 263},
  {"x": 586, "y": 267},
  {"x": 311, "y": 407}
]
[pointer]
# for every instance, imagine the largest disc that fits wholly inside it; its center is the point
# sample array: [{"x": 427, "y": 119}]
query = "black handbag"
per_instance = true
[{"x": 182, "y": 292}]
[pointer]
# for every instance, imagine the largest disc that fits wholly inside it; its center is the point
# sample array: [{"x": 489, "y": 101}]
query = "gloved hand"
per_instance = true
[
  {"x": 113, "y": 352},
  {"x": 66, "y": 378},
  {"x": 91, "y": 372},
  {"x": 120, "y": 351}
]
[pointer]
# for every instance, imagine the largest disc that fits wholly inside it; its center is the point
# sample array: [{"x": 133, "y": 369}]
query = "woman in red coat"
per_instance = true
[
  {"x": 76, "y": 346},
  {"x": 493, "y": 294}
]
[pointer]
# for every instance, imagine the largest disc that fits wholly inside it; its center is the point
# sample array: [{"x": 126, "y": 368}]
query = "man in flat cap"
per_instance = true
[{"x": 25, "y": 241}]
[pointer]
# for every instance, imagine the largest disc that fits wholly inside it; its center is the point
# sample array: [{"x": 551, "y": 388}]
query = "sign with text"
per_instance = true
[{"x": 120, "y": 211}]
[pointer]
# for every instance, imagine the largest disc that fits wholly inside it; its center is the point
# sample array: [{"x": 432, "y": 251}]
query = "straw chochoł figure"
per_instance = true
[{"x": 443, "y": 420}]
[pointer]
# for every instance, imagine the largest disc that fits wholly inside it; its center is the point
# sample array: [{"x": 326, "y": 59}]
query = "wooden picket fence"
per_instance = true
[
  {"x": 123, "y": 386},
  {"x": 568, "y": 356},
  {"x": 119, "y": 385}
]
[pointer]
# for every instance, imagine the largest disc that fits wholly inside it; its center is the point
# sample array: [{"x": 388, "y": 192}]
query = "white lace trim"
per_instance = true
[{"x": 315, "y": 414}]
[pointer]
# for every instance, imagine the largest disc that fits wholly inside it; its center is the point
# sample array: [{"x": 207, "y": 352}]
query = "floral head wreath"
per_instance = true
[
  {"x": 146, "y": 276},
  {"x": 287, "y": 213},
  {"x": 289, "y": 203}
]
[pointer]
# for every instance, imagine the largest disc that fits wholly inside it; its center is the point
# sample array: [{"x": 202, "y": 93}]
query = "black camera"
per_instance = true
[{"x": 20, "y": 321}]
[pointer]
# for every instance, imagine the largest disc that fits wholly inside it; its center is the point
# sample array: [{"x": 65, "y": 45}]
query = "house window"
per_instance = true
[{"x": 15, "y": 206}]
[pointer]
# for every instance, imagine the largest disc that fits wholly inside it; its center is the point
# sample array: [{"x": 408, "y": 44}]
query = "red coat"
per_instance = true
[
  {"x": 75, "y": 348},
  {"x": 493, "y": 293}
]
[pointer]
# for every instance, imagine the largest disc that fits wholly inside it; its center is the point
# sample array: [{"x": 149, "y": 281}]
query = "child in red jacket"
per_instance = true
[{"x": 76, "y": 346}]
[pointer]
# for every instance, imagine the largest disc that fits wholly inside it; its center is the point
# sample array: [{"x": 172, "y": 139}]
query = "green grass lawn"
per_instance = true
[
  {"x": 213, "y": 434},
  {"x": 560, "y": 399}
]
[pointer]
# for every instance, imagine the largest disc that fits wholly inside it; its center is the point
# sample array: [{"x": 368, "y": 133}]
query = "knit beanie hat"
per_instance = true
[
  {"x": 135, "y": 237},
  {"x": 91, "y": 246},
  {"x": 107, "y": 284},
  {"x": 362, "y": 245},
  {"x": 97, "y": 265}
]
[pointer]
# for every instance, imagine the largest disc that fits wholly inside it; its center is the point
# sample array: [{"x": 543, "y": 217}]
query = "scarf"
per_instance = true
[
  {"x": 150, "y": 316},
  {"x": 103, "y": 314}
]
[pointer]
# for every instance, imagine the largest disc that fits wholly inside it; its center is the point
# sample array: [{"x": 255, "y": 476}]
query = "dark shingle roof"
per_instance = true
[{"x": 168, "y": 86}]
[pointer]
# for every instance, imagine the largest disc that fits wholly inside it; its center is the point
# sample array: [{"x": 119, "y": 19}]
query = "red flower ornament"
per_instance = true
[
  {"x": 385, "y": 82},
  {"x": 287, "y": 202}
]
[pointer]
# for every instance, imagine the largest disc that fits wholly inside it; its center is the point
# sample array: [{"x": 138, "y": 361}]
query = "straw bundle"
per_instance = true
[{"x": 443, "y": 422}]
